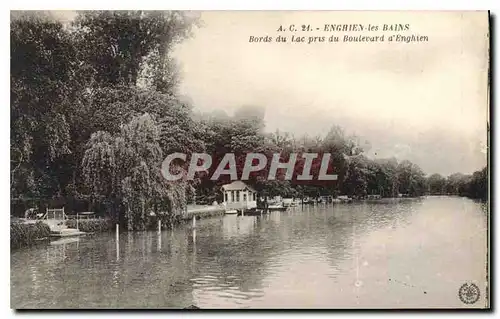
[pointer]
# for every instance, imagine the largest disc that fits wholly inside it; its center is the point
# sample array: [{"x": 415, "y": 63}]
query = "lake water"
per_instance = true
[{"x": 387, "y": 254}]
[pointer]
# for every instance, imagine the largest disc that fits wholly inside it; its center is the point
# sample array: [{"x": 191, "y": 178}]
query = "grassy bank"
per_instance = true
[
  {"x": 22, "y": 234},
  {"x": 91, "y": 225},
  {"x": 203, "y": 213}
]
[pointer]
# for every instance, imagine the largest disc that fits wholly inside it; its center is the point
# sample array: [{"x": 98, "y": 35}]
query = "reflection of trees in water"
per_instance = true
[
  {"x": 225, "y": 253},
  {"x": 234, "y": 226},
  {"x": 238, "y": 255},
  {"x": 40, "y": 274},
  {"x": 334, "y": 226},
  {"x": 235, "y": 252},
  {"x": 162, "y": 276},
  {"x": 158, "y": 269},
  {"x": 351, "y": 223}
]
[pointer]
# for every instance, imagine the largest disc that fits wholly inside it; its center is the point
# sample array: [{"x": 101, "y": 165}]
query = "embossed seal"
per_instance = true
[{"x": 469, "y": 293}]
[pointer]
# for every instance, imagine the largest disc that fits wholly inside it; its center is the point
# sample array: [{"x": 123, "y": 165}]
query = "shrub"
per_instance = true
[
  {"x": 27, "y": 234},
  {"x": 91, "y": 225}
]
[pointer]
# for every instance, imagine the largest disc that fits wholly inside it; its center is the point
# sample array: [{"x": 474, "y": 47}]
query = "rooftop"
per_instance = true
[{"x": 237, "y": 186}]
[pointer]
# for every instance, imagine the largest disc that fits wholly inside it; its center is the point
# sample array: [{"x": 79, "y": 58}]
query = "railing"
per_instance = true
[
  {"x": 83, "y": 217},
  {"x": 57, "y": 213},
  {"x": 55, "y": 218}
]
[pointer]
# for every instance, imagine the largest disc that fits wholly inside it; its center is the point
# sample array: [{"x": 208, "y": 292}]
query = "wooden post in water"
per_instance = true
[
  {"x": 194, "y": 221},
  {"x": 117, "y": 242},
  {"x": 159, "y": 241},
  {"x": 77, "y": 222},
  {"x": 159, "y": 235}
]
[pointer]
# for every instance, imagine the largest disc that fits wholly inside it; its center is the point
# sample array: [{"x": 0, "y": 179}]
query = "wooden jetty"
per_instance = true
[
  {"x": 66, "y": 232},
  {"x": 56, "y": 219}
]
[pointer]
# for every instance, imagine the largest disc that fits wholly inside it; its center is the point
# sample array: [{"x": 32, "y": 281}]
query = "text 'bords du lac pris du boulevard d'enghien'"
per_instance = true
[{"x": 334, "y": 29}]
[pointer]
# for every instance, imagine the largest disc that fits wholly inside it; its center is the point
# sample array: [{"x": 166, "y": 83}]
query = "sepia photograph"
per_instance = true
[{"x": 249, "y": 160}]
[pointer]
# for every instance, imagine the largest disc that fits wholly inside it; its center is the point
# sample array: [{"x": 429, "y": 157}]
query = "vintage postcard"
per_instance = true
[{"x": 249, "y": 160}]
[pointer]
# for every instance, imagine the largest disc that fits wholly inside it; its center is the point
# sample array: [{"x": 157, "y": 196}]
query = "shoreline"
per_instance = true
[{"x": 197, "y": 211}]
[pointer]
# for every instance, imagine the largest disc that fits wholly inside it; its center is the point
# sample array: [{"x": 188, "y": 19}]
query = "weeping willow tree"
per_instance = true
[{"x": 125, "y": 170}]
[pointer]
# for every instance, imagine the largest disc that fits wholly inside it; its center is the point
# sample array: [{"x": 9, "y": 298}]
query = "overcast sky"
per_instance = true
[{"x": 426, "y": 102}]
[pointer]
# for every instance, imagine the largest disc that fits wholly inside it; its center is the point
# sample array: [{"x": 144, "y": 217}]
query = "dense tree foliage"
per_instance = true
[
  {"x": 473, "y": 186},
  {"x": 123, "y": 169},
  {"x": 41, "y": 96},
  {"x": 94, "y": 111}
]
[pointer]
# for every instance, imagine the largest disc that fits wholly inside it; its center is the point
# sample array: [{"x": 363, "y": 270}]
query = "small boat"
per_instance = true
[
  {"x": 276, "y": 207},
  {"x": 231, "y": 212},
  {"x": 373, "y": 197},
  {"x": 296, "y": 203},
  {"x": 287, "y": 202},
  {"x": 290, "y": 202},
  {"x": 308, "y": 201},
  {"x": 345, "y": 199}
]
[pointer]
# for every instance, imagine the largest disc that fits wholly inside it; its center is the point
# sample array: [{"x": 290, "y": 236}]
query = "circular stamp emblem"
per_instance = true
[{"x": 469, "y": 293}]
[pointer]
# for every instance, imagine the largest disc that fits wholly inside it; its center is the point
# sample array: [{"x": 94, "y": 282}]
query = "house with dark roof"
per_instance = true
[{"x": 239, "y": 196}]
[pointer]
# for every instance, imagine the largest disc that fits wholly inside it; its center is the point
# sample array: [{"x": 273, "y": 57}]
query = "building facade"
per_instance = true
[{"x": 239, "y": 195}]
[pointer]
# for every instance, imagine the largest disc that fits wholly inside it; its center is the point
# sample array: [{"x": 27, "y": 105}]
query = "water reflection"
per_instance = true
[{"x": 361, "y": 254}]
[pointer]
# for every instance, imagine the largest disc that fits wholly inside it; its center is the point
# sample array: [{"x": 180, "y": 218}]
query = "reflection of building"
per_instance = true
[
  {"x": 239, "y": 195},
  {"x": 236, "y": 226},
  {"x": 275, "y": 217}
]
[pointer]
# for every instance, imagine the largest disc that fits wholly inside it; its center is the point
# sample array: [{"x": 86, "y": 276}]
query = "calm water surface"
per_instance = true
[{"x": 395, "y": 253}]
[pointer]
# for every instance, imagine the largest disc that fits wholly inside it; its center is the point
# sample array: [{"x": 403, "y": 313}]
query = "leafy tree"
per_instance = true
[
  {"x": 454, "y": 183},
  {"x": 411, "y": 179},
  {"x": 123, "y": 47},
  {"x": 355, "y": 182},
  {"x": 473, "y": 186},
  {"x": 383, "y": 178},
  {"x": 94, "y": 109},
  {"x": 125, "y": 168},
  {"x": 437, "y": 184},
  {"x": 41, "y": 93},
  {"x": 478, "y": 186},
  {"x": 71, "y": 80}
]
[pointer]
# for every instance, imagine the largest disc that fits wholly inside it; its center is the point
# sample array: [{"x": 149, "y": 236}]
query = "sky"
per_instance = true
[{"x": 422, "y": 101}]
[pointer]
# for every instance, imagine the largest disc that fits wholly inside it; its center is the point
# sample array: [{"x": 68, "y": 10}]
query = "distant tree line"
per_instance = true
[
  {"x": 95, "y": 110},
  {"x": 473, "y": 186},
  {"x": 358, "y": 175}
]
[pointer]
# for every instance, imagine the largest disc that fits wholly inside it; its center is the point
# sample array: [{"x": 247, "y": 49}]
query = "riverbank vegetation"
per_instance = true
[
  {"x": 203, "y": 214},
  {"x": 95, "y": 110},
  {"x": 472, "y": 186},
  {"x": 22, "y": 234},
  {"x": 91, "y": 225}
]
